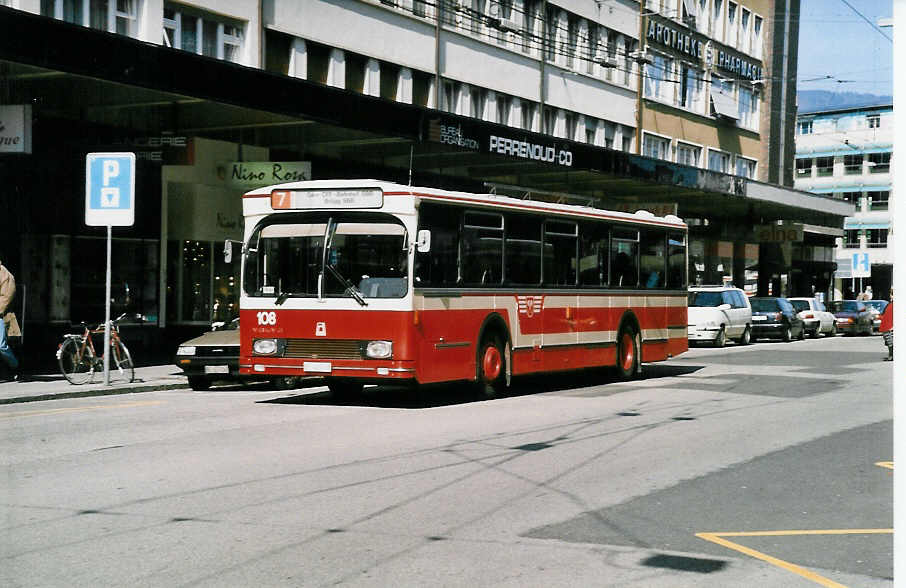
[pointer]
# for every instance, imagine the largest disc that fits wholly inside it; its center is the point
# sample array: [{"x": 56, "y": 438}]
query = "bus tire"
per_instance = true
[
  {"x": 343, "y": 389},
  {"x": 628, "y": 360},
  {"x": 492, "y": 367}
]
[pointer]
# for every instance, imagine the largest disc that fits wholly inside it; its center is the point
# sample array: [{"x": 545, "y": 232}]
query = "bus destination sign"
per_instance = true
[{"x": 321, "y": 199}]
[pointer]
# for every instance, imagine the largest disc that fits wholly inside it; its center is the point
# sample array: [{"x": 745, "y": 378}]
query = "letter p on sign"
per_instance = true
[{"x": 110, "y": 189}]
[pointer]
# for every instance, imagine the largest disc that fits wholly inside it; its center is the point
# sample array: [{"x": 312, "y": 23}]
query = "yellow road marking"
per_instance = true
[
  {"x": 885, "y": 464},
  {"x": 718, "y": 538},
  {"x": 50, "y": 411}
]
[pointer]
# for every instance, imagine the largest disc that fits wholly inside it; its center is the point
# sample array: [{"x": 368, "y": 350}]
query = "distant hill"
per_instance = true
[{"x": 813, "y": 100}]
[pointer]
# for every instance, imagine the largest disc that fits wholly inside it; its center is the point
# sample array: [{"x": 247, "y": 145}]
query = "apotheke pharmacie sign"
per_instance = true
[{"x": 685, "y": 43}]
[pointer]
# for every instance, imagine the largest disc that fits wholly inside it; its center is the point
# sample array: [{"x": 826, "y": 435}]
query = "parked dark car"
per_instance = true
[
  {"x": 853, "y": 317},
  {"x": 775, "y": 318},
  {"x": 214, "y": 357}
]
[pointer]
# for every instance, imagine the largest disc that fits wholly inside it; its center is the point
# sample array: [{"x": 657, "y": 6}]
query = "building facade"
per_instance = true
[
  {"x": 846, "y": 153},
  {"x": 669, "y": 105}
]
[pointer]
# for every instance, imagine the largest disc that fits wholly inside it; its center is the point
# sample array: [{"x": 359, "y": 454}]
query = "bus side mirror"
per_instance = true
[
  {"x": 227, "y": 251},
  {"x": 423, "y": 241}
]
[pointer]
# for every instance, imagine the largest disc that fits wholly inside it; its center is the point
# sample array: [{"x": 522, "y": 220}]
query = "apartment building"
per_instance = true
[
  {"x": 675, "y": 106},
  {"x": 845, "y": 153}
]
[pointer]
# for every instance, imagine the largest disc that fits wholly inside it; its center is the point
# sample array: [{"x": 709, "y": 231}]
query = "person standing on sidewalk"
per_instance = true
[
  {"x": 887, "y": 328},
  {"x": 8, "y": 324}
]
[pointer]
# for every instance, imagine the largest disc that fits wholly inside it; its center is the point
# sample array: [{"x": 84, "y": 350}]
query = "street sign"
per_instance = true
[
  {"x": 110, "y": 189},
  {"x": 844, "y": 267},
  {"x": 861, "y": 265}
]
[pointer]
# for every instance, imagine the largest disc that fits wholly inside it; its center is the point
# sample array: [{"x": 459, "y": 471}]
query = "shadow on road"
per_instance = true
[{"x": 603, "y": 381}]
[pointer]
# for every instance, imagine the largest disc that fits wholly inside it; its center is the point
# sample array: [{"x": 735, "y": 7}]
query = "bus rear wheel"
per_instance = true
[
  {"x": 492, "y": 367},
  {"x": 628, "y": 361}
]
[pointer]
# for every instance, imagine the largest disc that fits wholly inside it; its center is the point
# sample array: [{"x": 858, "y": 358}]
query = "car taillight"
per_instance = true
[
  {"x": 778, "y": 316},
  {"x": 809, "y": 315}
]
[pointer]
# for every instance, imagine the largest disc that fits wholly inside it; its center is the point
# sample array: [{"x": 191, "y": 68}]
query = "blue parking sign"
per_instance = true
[{"x": 110, "y": 189}]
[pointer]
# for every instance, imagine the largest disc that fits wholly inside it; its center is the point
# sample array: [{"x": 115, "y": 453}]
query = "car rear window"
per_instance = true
[
  {"x": 765, "y": 305},
  {"x": 705, "y": 299},
  {"x": 800, "y": 305}
]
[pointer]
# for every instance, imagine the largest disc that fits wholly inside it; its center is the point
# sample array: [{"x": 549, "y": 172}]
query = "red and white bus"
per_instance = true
[{"x": 364, "y": 281}]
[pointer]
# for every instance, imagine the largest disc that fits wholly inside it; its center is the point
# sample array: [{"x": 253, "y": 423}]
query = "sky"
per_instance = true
[{"x": 835, "y": 41}]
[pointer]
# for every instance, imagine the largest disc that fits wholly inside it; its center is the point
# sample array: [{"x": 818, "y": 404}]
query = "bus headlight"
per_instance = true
[
  {"x": 186, "y": 350},
  {"x": 379, "y": 349},
  {"x": 264, "y": 346}
]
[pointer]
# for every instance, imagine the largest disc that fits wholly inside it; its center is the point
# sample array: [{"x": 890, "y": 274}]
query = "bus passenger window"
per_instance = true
[
  {"x": 676, "y": 260},
  {"x": 523, "y": 250},
  {"x": 653, "y": 261},
  {"x": 560, "y": 253},
  {"x": 481, "y": 249},
  {"x": 624, "y": 252},
  {"x": 593, "y": 246},
  {"x": 438, "y": 267}
]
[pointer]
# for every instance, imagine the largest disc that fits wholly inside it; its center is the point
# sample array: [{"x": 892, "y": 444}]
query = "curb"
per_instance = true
[{"x": 94, "y": 392}]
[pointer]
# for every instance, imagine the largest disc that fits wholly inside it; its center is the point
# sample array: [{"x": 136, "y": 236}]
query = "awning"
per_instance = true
[{"x": 724, "y": 105}]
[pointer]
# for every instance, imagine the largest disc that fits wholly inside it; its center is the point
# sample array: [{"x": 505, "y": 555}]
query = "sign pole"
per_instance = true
[{"x": 107, "y": 310}]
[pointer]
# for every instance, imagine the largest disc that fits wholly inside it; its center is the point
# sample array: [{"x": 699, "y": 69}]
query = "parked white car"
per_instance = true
[
  {"x": 815, "y": 316},
  {"x": 718, "y": 313}
]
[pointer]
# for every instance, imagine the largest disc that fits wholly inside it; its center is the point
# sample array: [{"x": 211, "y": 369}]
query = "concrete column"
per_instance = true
[
  {"x": 372, "y": 85},
  {"x": 336, "y": 69},
  {"x": 404, "y": 86},
  {"x": 298, "y": 59}
]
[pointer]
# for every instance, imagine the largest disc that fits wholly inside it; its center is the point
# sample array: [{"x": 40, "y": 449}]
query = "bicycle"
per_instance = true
[{"x": 78, "y": 359}]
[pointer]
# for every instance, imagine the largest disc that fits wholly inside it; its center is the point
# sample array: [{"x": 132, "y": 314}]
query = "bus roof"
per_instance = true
[{"x": 465, "y": 198}]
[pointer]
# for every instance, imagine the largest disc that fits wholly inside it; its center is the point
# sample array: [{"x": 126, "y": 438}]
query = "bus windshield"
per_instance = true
[{"x": 365, "y": 256}]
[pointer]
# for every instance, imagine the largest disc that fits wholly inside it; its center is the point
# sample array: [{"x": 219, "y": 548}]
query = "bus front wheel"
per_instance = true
[
  {"x": 628, "y": 362},
  {"x": 492, "y": 367}
]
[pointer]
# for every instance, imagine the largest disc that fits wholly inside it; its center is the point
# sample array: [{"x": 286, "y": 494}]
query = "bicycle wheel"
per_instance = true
[
  {"x": 122, "y": 367},
  {"x": 76, "y": 361}
]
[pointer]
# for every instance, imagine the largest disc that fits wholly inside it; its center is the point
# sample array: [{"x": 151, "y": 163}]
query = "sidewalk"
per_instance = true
[{"x": 51, "y": 386}]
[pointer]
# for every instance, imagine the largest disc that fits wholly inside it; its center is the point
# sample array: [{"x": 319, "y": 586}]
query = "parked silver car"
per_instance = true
[{"x": 818, "y": 321}]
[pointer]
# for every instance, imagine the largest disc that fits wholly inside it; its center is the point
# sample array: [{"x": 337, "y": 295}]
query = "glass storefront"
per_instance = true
[{"x": 201, "y": 286}]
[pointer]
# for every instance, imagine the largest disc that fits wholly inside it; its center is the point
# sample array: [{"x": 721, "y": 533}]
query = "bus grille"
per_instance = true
[{"x": 323, "y": 349}]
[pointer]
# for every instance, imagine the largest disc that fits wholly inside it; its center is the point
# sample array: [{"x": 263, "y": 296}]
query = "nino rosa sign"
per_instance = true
[
  {"x": 779, "y": 233},
  {"x": 253, "y": 174},
  {"x": 15, "y": 128}
]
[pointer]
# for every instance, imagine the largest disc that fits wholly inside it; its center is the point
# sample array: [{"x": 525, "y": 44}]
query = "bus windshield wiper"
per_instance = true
[
  {"x": 282, "y": 298},
  {"x": 350, "y": 288}
]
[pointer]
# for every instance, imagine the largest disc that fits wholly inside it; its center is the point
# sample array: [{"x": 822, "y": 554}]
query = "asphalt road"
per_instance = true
[{"x": 767, "y": 465}]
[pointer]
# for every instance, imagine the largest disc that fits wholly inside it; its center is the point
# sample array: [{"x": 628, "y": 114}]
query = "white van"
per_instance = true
[{"x": 718, "y": 313}]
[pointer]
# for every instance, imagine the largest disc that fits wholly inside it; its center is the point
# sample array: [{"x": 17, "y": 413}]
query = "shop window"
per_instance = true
[
  {"x": 878, "y": 200},
  {"x": 133, "y": 278},
  {"x": 201, "y": 286},
  {"x": 202, "y": 33},
  {"x": 852, "y": 164},
  {"x": 824, "y": 166},
  {"x": 804, "y": 167},
  {"x": 879, "y": 163},
  {"x": 876, "y": 238}
]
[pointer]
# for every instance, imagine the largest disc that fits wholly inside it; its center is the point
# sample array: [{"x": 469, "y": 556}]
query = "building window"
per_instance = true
[
  {"x": 717, "y": 19},
  {"x": 757, "y": 40},
  {"x": 658, "y": 85},
  {"x": 876, "y": 237},
  {"x": 745, "y": 43},
  {"x": 852, "y": 197},
  {"x": 745, "y": 167},
  {"x": 591, "y": 130},
  {"x": 804, "y": 167},
  {"x": 879, "y": 163},
  {"x": 718, "y": 161},
  {"x": 504, "y": 105},
  {"x": 804, "y": 127},
  {"x": 852, "y": 164},
  {"x": 851, "y": 238},
  {"x": 202, "y": 33},
  {"x": 656, "y": 147},
  {"x": 692, "y": 95},
  {"x": 528, "y": 116},
  {"x": 732, "y": 24},
  {"x": 878, "y": 199},
  {"x": 748, "y": 109},
  {"x": 688, "y": 154},
  {"x": 824, "y": 166},
  {"x": 874, "y": 121},
  {"x": 479, "y": 100},
  {"x": 113, "y": 16}
]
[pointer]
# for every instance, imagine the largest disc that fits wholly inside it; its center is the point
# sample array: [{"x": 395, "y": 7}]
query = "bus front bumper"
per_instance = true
[{"x": 370, "y": 370}]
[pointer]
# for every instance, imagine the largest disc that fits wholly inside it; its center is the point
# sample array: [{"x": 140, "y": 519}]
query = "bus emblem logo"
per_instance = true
[
  {"x": 529, "y": 305},
  {"x": 321, "y": 330}
]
